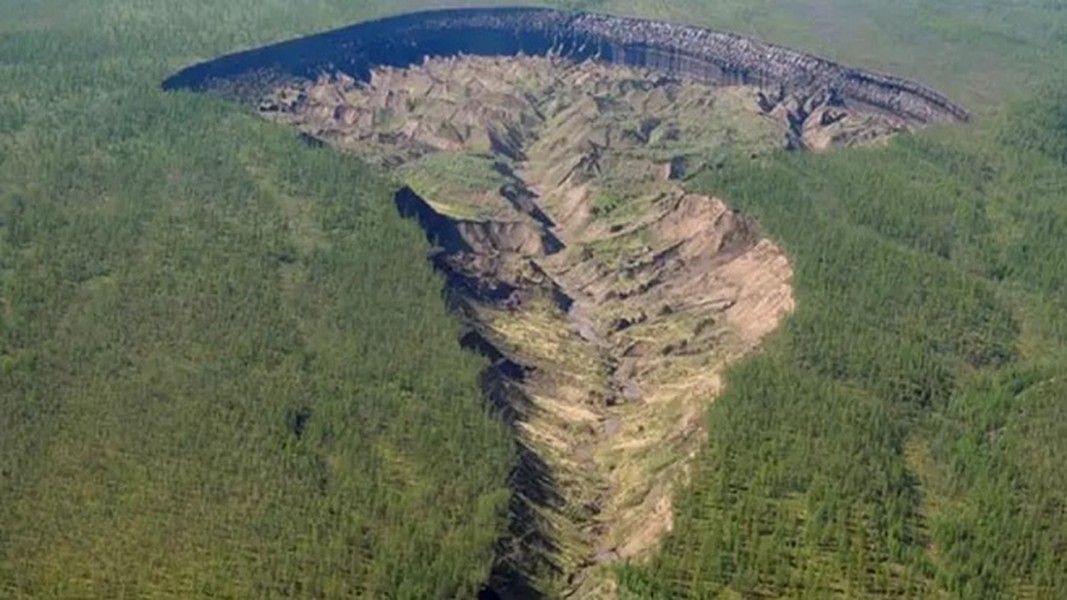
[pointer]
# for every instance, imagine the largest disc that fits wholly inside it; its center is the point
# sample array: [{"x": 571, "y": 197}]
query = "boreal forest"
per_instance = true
[{"x": 229, "y": 370}]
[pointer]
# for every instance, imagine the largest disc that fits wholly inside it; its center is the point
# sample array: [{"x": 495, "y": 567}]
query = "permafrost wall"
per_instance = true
[
  {"x": 569, "y": 519},
  {"x": 709, "y": 56}
]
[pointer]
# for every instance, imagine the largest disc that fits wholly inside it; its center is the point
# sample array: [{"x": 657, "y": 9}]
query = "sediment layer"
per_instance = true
[
  {"x": 542, "y": 153},
  {"x": 608, "y": 299},
  {"x": 709, "y": 56}
]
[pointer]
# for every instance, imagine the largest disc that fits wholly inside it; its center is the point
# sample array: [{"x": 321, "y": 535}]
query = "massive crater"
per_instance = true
[
  {"x": 709, "y": 56},
  {"x": 543, "y": 152}
]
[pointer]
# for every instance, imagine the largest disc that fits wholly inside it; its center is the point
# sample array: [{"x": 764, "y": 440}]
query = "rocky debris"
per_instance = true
[
  {"x": 607, "y": 299},
  {"x": 448, "y": 105}
]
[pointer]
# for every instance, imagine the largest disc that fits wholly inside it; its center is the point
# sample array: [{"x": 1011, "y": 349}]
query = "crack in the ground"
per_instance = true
[{"x": 607, "y": 298}]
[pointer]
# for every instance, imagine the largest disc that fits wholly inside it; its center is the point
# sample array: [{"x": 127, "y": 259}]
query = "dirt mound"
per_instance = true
[{"x": 609, "y": 298}]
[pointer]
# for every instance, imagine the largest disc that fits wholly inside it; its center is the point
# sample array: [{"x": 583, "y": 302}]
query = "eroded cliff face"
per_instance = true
[
  {"x": 542, "y": 151},
  {"x": 608, "y": 298},
  {"x": 709, "y": 56}
]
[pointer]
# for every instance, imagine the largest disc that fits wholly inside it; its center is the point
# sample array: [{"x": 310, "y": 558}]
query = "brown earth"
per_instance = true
[{"x": 610, "y": 298}]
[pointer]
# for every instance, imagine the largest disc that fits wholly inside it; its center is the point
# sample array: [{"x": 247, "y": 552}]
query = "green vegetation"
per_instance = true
[
  {"x": 903, "y": 436},
  {"x": 977, "y": 51},
  {"x": 456, "y": 184},
  {"x": 1038, "y": 124},
  {"x": 226, "y": 370}
]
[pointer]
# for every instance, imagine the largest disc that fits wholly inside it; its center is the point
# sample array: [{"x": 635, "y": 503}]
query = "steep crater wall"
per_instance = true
[
  {"x": 706, "y": 55},
  {"x": 608, "y": 299}
]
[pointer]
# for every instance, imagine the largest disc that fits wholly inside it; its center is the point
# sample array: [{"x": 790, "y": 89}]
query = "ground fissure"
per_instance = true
[
  {"x": 544, "y": 154},
  {"x": 608, "y": 297}
]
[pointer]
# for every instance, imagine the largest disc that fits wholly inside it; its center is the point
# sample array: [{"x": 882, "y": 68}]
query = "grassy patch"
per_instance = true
[{"x": 464, "y": 186}]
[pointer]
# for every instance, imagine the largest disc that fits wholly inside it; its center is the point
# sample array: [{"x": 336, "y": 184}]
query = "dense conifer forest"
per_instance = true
[
  {"x": 226, "y": 368},
  {"x": 903, "y": 436},
  {"x": 228, "y": 371}
]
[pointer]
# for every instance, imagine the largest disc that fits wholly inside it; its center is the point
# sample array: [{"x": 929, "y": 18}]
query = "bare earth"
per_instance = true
[{"x": 616, "y": 297}]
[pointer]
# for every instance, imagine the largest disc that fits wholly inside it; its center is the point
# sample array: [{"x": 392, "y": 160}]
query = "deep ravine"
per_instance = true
[{"x": 608, "y": 299}]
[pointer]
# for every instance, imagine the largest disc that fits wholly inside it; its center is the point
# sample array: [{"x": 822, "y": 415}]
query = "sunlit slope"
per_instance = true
[
  {"x": 903, "y": 437},
  {"x": 617, "y": 298}
]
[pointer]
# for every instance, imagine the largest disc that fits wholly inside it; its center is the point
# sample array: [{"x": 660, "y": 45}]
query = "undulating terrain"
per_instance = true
[
  {"x": 610, "y": 298},
  {"x": 673, "y": 335}
]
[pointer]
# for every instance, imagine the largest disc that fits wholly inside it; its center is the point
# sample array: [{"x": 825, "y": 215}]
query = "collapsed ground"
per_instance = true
[{"x": 609, "y": 298}]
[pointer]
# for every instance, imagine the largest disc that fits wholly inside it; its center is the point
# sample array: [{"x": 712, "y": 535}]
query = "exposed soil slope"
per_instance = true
[
  {"x": 609, "y": 297},
  {"x": 705, "y": 55}
]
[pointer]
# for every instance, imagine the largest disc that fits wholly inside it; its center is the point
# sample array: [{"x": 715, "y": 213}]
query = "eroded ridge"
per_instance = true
[{"x": 609, "y": 298}]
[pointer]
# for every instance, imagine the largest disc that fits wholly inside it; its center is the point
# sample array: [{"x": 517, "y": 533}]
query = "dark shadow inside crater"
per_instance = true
[{"x": 708, "y": 56}]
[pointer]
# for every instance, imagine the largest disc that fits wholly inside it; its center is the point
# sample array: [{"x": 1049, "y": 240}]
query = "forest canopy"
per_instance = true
[
  {"x": 228, "y": 371},
  {"x": 897, "y": 438}
]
